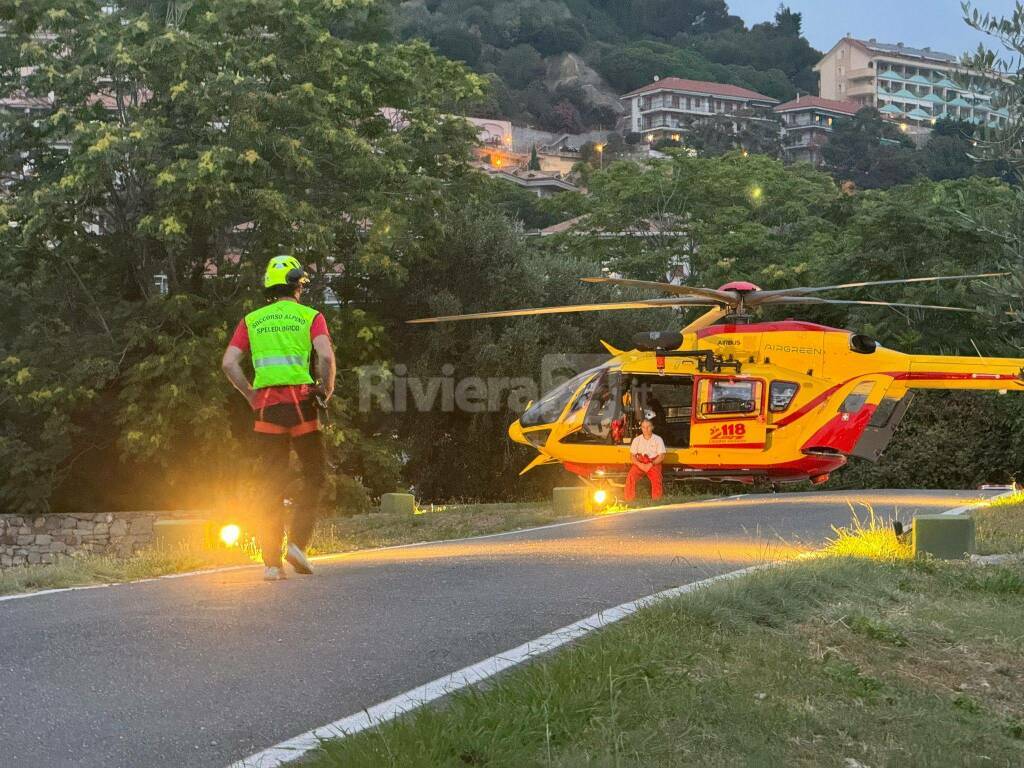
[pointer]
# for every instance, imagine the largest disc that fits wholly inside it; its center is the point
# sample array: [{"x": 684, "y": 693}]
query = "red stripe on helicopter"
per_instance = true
[
  {"x": 808, "y": 407},
  {"x": 806, "y": 466},
  {"x": 785, "y": 325},
  {"x": 843, "y": 431},
  {"x": 953, "y": 376}
]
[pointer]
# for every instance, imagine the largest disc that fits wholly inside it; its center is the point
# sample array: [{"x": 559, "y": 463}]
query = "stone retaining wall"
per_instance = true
[{"x": 42, "y": 539}]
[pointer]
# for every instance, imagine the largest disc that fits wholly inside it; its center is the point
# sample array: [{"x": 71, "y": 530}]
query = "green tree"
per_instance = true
[
  {"x": 534, "y": 164},
  {"x": 520, "y": 66},
  {"x": 871, "y": 152},
  {"x": 1004, "y": 147},
  {"x": 457, "y": 44},
  {"x": 187, "y": 155},
  {"x": 733, "y": 217}
]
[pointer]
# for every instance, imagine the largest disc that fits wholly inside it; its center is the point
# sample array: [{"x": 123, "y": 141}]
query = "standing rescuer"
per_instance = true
[{"x": 281, "y": 338}]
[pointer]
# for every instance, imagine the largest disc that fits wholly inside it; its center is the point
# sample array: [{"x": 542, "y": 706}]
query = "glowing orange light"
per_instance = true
[
  {"x": 600, "y": 497},
  {"x": 230, "y": 534}
]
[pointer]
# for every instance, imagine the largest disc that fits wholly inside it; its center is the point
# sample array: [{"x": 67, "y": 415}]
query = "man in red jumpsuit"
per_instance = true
[{"x": 647, "y": 452}]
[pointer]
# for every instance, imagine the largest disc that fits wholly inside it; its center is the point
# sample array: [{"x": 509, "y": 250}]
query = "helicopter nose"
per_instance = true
[{"x": 515, "y": 433}]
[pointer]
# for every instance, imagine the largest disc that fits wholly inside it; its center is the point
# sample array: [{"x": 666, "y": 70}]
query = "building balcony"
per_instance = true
[
  {"x": 807, "y": 127},
  {"x": 682, "y": 110},
  {"x": 863, "y": 88},
  {"x": 860, "y": 73}
]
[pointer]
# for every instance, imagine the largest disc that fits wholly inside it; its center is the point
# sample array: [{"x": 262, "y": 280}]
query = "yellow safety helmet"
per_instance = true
[{"x": 284, "y": 270}]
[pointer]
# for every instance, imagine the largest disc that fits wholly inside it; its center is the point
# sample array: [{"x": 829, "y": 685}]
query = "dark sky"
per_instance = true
[{"x": 920, "y": 23}]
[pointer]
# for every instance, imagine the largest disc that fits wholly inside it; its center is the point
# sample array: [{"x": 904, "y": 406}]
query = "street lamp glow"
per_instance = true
[
  {"x": 600, "y": 496},
  {"x": 230, "y": 534}
]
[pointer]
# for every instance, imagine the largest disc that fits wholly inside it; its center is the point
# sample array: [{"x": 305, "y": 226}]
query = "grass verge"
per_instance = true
[
  {"x": 998, "y": 527},
  {"x": 838, "y": 660},
  {"x": 85, "y": 570},
  {"x": 333, "y": 535}
]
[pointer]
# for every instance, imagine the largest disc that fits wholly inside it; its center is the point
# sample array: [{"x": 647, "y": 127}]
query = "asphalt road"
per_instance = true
[{"x": 199, "y": 671}]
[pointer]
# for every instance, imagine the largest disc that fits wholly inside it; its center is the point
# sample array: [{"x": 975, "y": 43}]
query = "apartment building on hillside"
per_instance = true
[
  {"x": 915, "y": 86},
  {"x": 807, "y": 122},
  {"x": 669, "y": 106}
]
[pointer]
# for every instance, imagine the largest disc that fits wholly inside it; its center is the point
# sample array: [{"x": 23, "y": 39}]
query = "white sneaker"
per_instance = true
[
  {"x": 273, "y": 573},
  {"x": 299, "y": 561}
]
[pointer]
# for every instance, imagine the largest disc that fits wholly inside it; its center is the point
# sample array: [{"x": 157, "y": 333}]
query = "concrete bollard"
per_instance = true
[
  {"x": 570, "y": 501},
  {"x": 397, "y": 503},
  {"x": 173, "y": 534},
  {"x": 948, "y": 537}
]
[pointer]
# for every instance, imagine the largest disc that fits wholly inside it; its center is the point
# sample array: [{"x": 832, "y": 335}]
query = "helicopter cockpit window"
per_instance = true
[
  {"x": 603, "y": 422},
  {"x": 585, "y": 394},
  {"x": 729, "y": 397},
  {"x": 781, "y": 394},
  {"x": 550, "y": 407}
]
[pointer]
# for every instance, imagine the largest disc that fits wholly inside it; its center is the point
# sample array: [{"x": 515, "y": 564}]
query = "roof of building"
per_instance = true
[
  {"x": 701, "y": 86},
  {"x": 817, "y": 102},
  {"x": 668, "y": 224},
  {"x": 899, "y": 49},
  {"x": 528, "y": 179},
  {"x": 21, "y": 100},
  {"x": 563, "y": 226}
]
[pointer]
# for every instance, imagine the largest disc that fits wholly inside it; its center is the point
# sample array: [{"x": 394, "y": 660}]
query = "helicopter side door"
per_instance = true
[
  {"x": 729, "y": 412},
  {"x": 668, "y": 401}
]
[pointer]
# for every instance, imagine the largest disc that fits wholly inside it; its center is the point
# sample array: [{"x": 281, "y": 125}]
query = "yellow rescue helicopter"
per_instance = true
[{"x": 773, "y": 402}]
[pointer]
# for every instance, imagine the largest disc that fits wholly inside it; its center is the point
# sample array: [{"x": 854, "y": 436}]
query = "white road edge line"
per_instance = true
[
  {"x": 354, "y": 552},
  {"x": 294, "y": 748},
  {"x": 298, "y": 746},
  {"x": 979, "y": 505}
]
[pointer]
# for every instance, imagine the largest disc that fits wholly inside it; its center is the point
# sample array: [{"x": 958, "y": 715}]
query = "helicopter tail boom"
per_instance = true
[{"x": 974, "y": 373}]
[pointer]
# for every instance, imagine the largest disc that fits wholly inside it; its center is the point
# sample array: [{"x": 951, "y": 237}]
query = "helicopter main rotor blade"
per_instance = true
[
  {"x": 778, "y": 300},
  {"x": 707, "y": 319},
  {"x": 638, "y": 304},
  {"x": 763, "y": 297},
  {"x": 724, "y": 297}
]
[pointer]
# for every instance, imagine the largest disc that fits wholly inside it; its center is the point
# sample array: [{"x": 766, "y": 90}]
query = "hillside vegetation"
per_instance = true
[{"x": 522, "y": 46}]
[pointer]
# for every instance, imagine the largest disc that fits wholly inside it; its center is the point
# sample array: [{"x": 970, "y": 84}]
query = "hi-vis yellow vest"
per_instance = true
[{"x": 280, "y": 343}]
